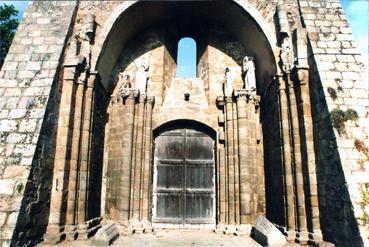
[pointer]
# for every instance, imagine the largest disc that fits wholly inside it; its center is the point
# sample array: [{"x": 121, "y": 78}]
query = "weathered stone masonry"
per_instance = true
[{"x": 77, "y": 137}]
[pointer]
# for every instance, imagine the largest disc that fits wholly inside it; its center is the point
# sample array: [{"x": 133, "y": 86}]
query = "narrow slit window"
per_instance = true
[{"x": 186, "y": 58}]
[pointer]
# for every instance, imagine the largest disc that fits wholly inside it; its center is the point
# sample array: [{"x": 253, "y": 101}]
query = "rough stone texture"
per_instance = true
[
  {"x": 342, "y": 170},
  {"x": 31, "y": 99}
]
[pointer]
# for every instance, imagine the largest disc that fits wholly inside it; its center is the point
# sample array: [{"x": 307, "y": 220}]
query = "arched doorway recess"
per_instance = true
[{"x": 184, "y": 175}]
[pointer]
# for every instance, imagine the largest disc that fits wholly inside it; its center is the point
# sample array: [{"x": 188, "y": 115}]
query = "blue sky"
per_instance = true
[{"x": 356, "y": 12}]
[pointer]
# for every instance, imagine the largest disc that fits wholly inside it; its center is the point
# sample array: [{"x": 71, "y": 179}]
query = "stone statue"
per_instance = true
[
  {"x": 228, "y": 86},
  {"x": 286, "y": 55},
  {"x": 142, "y": 76},
  {"x": 249, "y": 73}
]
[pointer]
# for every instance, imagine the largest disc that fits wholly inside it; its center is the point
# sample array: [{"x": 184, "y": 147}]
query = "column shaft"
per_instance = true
[
  {"x": 61, "y": 166},
  {"x": 138, "y": 158},
  {"x": 299, "y": 183},
  {"x": 230, "y": 158},
  {"x": 222, "y": 185},
  {"x": 74, "y": 157},
  {"x": 125, "y": 182},
  {"x": 147, "y": 159},
  {"x": 133, "y": 164},
  {"x": 243, "y": 160},
  {"x": 236, "y": 164},
  {"x": 289, "y": 184},
  {"x": 113, "y": 165},
  {"x": 304, "y": 108},
  {"x": 85, "y": 150}
]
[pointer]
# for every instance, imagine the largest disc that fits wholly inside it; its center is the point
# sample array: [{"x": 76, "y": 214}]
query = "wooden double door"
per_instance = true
[{"x": 184, "y": 177}]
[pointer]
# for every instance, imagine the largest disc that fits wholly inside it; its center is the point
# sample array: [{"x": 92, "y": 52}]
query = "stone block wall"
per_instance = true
[
  {"x": 29, "y": 85},
  {"x": 338, "y": 82}
]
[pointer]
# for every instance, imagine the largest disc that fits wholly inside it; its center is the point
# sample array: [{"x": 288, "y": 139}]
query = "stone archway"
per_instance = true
[{"x": 235, "y": 114}]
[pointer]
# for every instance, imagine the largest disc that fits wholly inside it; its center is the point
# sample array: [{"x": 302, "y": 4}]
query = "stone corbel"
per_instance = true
[
  {"x": 90, "y": 27},
  {"x": 221, "y": 119},
  {"x": 220, "y": 102}
]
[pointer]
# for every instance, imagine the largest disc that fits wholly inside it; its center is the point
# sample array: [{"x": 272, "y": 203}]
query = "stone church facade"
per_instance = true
[{"x": 95, "y": 126}]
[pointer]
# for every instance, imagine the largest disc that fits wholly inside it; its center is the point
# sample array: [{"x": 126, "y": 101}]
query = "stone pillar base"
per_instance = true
[
  {"x": 137, "y": 226},
  {"x": 303, "y": 237},
  {"x": 54, "y": 234},
  {"x": 291, "y": 236},
  {"x": 82, "y": 231},
  {"x": 71, "y": 232}
]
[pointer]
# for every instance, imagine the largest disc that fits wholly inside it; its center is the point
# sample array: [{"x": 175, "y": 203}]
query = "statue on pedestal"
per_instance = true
[{"x": 249, "y": 73}]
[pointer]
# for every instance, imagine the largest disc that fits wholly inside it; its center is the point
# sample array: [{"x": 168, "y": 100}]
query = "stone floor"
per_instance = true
[{"x": 178, "y": 238}]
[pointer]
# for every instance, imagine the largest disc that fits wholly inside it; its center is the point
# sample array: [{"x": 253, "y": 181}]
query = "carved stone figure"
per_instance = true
[
  {"x": 249, "y": 73},
  {"x": 142, "y": 76},
  {"x": 286, "y": 55},
  {"x": 228, "y": 87}
]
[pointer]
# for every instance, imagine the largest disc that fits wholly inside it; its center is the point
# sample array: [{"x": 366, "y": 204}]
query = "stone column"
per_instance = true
[
  {"x": 236, "y": 165},
  {"x": 287, "y": 158},
  {"x": 222, "y": 164},
  {"x": 85, "y": 148},
  {"x": 299, "y": 183},
  {"x": 125, "y": 168},
  {"x": 260, "y": 161},
  {"x": 138, "y": 158},
  {"x": 113, "y": 167},
  {"x": 230, "y": 160},
  {"x": 253, "y": 106},
  {"x": 61, "y": 166},
  {"x": 70, "y": 228},
  {"x": 306, "y": 126},
  {"x": 133, "y": 164},
  {"x": 245, "y": 187},
  {"x": 145, "y": 200}
]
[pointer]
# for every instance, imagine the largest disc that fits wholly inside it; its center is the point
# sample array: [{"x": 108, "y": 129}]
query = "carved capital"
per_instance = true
[
  {"x": 128, "y": 93},
  {"x": 281, "y": 82},
  {"x": 228, "y": 99},
  {"x": 150, "y": 100},
  {"x": 92, "y": 78},
  {"x": 244, "y": 94},
  {"x": 69, "y": 73},
  {"x": 301, "y": 75},
  {"x": 142, "y": 97}
]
